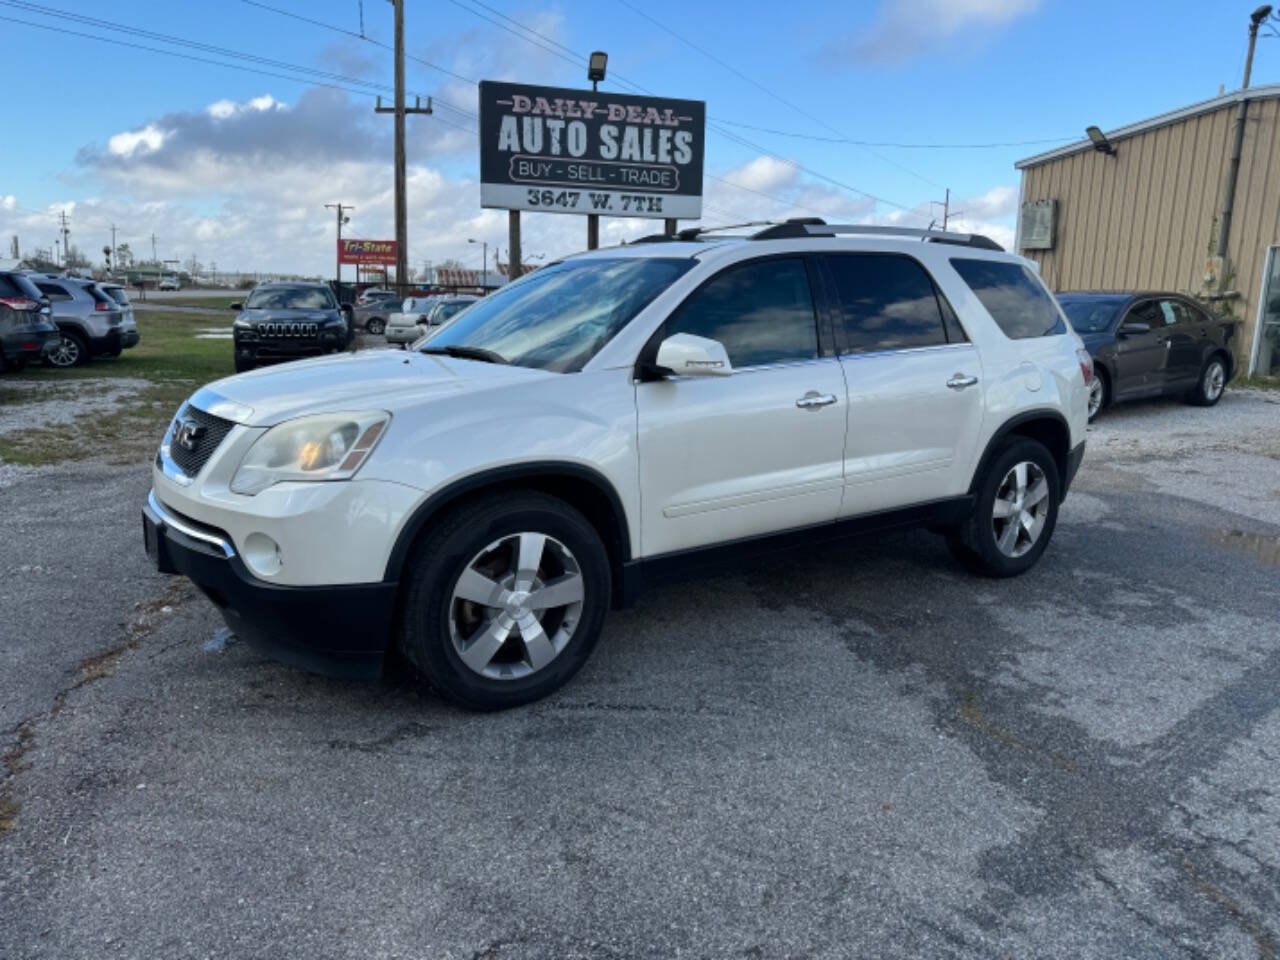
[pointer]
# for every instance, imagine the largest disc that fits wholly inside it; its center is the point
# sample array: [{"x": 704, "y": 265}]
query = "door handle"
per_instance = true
[
  {"x": 813, "y": 400},
  {"x": 960, "y": 381}
]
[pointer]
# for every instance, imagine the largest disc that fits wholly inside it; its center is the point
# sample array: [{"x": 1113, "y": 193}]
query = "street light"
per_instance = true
[
  {"x": 484, "y": 273},
  {"x": 596, "y": 66},
  {"x": 1255, "y": 21}
]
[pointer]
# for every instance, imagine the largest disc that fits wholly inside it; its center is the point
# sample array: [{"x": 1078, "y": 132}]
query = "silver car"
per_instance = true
[
  {"x": 372, "y": 314},
  {"x": 129, "y": 335},
  {"x": 89, "y": 321}
]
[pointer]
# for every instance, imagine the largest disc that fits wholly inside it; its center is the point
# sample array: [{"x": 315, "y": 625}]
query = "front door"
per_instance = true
[
  {"x": 755, "y": 452},
  {"x": 1140, "y": 357},
  {"x": 915, "y": 385}
]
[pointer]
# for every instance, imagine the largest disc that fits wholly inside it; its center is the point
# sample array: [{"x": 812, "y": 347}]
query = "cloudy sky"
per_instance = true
[{"x": 223, "y": 128}]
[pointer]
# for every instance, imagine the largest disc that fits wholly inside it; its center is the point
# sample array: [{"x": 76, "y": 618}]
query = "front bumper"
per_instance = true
[
  {"x": 338, "y": 630},
  {"x": 275, "y": 350}
]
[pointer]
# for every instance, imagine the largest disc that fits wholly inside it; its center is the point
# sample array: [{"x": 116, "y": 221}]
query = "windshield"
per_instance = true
[
  {"x": 1092, "y": 315},
  {"x": 559, "y": 317},
  {"x": 290, "y": 298}
]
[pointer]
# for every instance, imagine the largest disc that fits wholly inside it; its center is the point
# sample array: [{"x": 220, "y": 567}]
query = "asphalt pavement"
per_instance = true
[{"x": 860, "y": 750}]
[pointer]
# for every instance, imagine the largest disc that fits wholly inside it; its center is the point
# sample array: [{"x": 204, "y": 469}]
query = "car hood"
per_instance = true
[
  {"x": 293, "y": 316},
  {"x": 372, "y": 379}
]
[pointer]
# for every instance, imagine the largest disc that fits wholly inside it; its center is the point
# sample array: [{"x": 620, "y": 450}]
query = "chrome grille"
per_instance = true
[
  {"x": 286, "y": 328},
  {"x": 194, "y": 437}
]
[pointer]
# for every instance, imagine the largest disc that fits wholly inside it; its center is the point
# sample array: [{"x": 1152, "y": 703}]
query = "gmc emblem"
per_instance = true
[{"x": 187, "y": 434}]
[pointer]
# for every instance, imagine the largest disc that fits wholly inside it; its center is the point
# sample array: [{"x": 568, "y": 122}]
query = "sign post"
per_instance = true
[
  {"x": 367, "y": 253},
  {"x": 594, "y": 154}
]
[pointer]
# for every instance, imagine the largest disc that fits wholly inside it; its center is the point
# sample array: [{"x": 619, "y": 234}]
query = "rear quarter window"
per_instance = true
[{"x": 1016, "y": 300}]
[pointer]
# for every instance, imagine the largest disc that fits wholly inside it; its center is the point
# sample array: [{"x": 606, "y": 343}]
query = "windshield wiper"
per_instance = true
[{"x": 468, "y": 353}]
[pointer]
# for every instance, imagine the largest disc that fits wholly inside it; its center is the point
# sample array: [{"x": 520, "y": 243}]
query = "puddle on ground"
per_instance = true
[{"x": 1265, "y": 548}]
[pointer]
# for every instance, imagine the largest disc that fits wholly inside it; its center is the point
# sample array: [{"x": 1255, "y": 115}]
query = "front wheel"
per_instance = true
[
  {"x": 376, "y": 326},
  {"x": 1014, "y": 512},
  {"x": 505, "y": 601},
  {"x": 1212, "y": 383}
]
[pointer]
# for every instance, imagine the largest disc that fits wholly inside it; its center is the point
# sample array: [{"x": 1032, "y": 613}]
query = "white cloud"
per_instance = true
[
  {"x": 126, "y": 144},
  {"x": 8, "y": 202},
  {"x": 909, "y": 29}
]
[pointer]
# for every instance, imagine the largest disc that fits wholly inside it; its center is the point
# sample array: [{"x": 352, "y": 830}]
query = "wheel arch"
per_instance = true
[
  {"x": 583, "y": 488},
  {"x": 1046, "y": 426}
]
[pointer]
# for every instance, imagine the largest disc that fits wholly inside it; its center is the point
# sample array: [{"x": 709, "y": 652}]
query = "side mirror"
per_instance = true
[
  {"x": 237, "y": 306},
  {"x": 687, "y": 355},
  {"x": 1134, "y": 327}
]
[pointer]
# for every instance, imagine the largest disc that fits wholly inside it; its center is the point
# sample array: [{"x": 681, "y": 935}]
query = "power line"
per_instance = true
[
  {"x": 576, "y": 59},
  {"x": 334, "y": 78},
  {"x": 890, "y": 143},
  {"x": 217, "y": 63}
]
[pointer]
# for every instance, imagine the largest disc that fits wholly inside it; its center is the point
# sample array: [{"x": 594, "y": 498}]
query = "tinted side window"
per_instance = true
[
  {"x": 8, "y": 288},
  {"x": 762, "y": 312},
  {"x": 1148, "y": 312},
  {"x": 1184, "y": 313},
  {"x": 53, "y": 291},
  {"x": 1016, "y": 300},
  {"x": 889, "y": 303}
]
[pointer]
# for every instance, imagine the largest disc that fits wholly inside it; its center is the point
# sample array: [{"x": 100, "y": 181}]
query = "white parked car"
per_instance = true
[
  {"x": 410, "y": 321},
  {"x": 170, "y": 283},
  {"x": 613, "y": 420}
]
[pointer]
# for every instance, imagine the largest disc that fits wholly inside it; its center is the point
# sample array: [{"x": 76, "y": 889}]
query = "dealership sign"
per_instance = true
[
  {"x": 380, "y": 252},
  {"x": 575, "y": 151}
]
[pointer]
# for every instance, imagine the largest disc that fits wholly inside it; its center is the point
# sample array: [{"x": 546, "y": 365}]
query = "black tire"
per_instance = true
[
  {"x": 1104, "y": 385},
  {"x": 1212, "y": 383},
  {"x": 72, "y": 351},
  {"x": 376, "y": 325},
  {"x": 244, "y": 366},
  {"x": 431, "y": 615},
  {"x": 974, "y": 542}
]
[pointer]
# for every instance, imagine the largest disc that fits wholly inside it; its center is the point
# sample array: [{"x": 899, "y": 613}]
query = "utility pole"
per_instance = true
[
  {"x": 402, "y": 212},
  {"x": 339, "y": 207},
  {"x": 1237, "y": 143},
  {"x": 66, "y": 240},
  {"x": 946, "y": 210},
  {"x": 115, "y": 267}
]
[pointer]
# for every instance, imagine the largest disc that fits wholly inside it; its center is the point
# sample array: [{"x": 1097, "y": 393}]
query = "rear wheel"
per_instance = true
[
  {"x": 376, "y": 326},
  {"x": 1014, "y": 512},
  {"x": 70, "y": 351},
  {"x": 505, "y": 601},
  {"x": 1212, "y": 383}
]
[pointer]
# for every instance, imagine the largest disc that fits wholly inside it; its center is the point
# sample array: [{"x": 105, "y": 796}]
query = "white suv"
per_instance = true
[{"x": 613, "y": 420}]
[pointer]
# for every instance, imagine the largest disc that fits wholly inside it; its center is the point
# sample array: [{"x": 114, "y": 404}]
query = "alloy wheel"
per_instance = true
[
  {"x": 516, "y": 605},
  {"x": 66, "y": 353},
  {"x": 1215, "y": 378},
  {"x": 1020, "y": 509},
  {"x": 1095, "y": 396}
]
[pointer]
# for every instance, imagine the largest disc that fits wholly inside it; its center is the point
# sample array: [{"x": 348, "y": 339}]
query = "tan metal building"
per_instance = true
[{"x": 1146, "y": 216}]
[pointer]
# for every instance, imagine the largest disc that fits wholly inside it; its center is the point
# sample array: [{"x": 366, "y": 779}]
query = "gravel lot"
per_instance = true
[{"x": 859, "y": 751}]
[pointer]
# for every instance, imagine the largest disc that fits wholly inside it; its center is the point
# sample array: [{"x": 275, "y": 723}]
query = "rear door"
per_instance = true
[
  {"x": 760, "y": 450},
  {"x": 915, "y": 384},
  {"x": 1185, "y": 343}
]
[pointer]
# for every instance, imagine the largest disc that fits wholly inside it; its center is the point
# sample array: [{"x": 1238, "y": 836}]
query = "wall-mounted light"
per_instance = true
[{"x": 1100, "y": 142}]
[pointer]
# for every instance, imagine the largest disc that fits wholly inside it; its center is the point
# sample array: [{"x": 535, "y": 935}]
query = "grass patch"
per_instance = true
[
  {"x": 169, "y": 358},
  {"x": 212, "y": 303},
  {"x": 1260, "y": 383}
]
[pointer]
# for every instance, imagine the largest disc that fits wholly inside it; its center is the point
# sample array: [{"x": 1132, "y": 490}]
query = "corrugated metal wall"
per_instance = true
[{"x": 1144, "y": 218}]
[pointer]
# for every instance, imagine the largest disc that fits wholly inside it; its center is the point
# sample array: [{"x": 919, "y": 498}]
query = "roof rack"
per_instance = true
[
  {"x": 694, "y": 233},
  {"x": 817, "y": 227}
]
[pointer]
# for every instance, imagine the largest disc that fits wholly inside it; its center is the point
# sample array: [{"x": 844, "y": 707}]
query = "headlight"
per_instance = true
[{"x": 330, "y": 446}]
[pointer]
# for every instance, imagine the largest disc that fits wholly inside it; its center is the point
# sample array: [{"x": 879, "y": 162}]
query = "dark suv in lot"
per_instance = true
[
  {"x": 27, "y": 330},
  {"x": 288, "y": 321}
]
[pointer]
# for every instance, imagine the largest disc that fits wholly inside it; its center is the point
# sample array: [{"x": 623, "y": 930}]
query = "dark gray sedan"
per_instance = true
[{"x": 1151, "y": 344}]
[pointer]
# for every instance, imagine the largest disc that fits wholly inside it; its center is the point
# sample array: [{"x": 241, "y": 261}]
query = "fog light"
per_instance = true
[{"x": 262, "y": 554}]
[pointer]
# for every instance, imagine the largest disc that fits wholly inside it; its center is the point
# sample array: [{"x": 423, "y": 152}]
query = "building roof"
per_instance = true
[{"x": 1161, "y": 120}]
